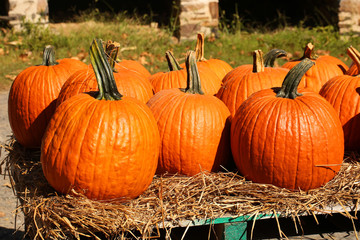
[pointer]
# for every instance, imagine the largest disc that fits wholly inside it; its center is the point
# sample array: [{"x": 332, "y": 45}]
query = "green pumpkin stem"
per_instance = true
[
  {"x": 172, "y": 62},
  {"x": 49, "y": 56},
  {"x": 112, "y": 50},
  {"x": 272, "y": 55},
  {"x": 103, "y": 72},
  {"x": 258, "y": 61},
  {"x": 199, "y": 48},
  {"x": 292, "y": 80},
  {"x": 193, "y": 78},
  {"x": 355, "y": 57}
]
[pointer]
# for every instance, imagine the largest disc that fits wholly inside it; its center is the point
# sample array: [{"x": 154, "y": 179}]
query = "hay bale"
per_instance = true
[{"x": 168, "y": 201}]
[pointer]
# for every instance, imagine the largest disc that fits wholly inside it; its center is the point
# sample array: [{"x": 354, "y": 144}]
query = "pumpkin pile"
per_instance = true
[{"x": 106, "y": 129}]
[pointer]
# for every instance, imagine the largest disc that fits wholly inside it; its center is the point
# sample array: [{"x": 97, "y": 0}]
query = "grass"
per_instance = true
[{"x": 141, "y": 42}]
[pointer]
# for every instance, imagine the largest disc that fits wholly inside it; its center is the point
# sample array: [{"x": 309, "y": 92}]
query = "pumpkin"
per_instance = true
[
  {"x": 176, "y": 77},
  {"x": 220, "y": 67},
  {"x": 269, "y": 61},
  {"x": 129, "y": 82},
  {"x": 33, "y": 94},
  {"x": 238, "y": 88},
  {"x": 102, "y": 145},
  {"x": 326, "y": 67},
  {"x": 193, "y": 127},
  {"x": 289, "y": 139},
  {"x": 343, "y": 94},
  {"x": 125, "y": 64}
]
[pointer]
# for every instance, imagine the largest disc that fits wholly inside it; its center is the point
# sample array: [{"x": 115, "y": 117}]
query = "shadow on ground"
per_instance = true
[{"x": 10, "y": 234}]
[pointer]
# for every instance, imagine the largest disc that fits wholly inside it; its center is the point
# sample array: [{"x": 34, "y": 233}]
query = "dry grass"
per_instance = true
[{"x": 168, "y": 201}]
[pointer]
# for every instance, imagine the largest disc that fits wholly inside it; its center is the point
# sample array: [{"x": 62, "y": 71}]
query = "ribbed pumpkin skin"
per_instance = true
[
  {"x": 32, "y": 99},
  {"x": 210, "y": 82},
  {"x": 134, "y": 66},
  {"x": 237, "y": 88},
  {"x": 237, "y": 72},
  {"x": 130, "y": 84},
  {"x": 325, "y": 68},
  {"x": 167, "y": 80},
  {"x": 194, "y": 132},
  {"x": 107, "y": 149},
  {"x": 220, "y": 67},
  {"x": 291, "y": 143},
  {"x": 343, "y": 94}
]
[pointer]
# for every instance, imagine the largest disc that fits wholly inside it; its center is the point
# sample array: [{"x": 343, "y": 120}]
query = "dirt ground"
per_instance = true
[{"x": 8, "y": 201}]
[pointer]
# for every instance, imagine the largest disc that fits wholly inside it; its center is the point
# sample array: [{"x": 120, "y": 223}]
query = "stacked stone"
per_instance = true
[
  {"x": 29, "y": 10},
  {"x": 198, "y": 16},
  {"x": 349, "y": 16}
]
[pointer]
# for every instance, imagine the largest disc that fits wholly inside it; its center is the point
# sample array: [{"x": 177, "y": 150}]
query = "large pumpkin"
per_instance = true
[
  {"x": 343, "y": 94},
  {"x": 326, "y": 67},
  {"x": 33, "y": 94},
  {"x": 102, "y": 145},
  {"x": 193, "y": 127},
  {"x": 176, "y": 77},
  {"x": 241, "y": 83},
  {"x": 286, "y": 138},
  {"x": 129, "y": 82}
]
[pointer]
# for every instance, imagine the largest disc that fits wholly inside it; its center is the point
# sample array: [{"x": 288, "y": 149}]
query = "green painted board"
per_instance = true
[{"x": 245, "y": 218}]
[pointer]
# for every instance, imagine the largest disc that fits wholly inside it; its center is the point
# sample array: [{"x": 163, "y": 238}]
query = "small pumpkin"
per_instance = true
[
  {"x": 194, "y": 127},
  {"x": 269, "y": 61},
  {"x": 326, "y": 67},
  {"x": 33, "y": 94},
  {"x": 343, "y": 94},
  {"x": 241, "y": 82},
  {"x": 125, "y": 64},
  {"x": 102, "y": 145},
  {"x": 220, "y": 67},
  {"x": 288, "y": 138},
  {"x": 176, "y": 77},
  {"x": 129, "y": 82}
]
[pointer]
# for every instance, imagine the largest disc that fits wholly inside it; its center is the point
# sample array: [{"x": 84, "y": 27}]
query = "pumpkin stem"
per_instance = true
[
  {"x": 308, "y": 51},
  {"x": 199, "y": 47},
  {"x": 193, "y": 78},
  {"x": 258, "y": 61},
  {"x": 49, "y": 56},
  {"x": 291, "y": 82},
  {"x": 355, "y": 56},
  {"x": 272, "y": 55},
  {"x": 112, "y": 50},
  {"x": 172, "y": 62},
  {"x": 103, "y": 72}
]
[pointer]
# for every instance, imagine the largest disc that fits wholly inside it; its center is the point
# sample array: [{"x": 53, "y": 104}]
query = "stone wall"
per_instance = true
[
  {"x": 198, "y": 16},
  {"x": 30, "y": 10},
  {"x": 349, "y": 16}
]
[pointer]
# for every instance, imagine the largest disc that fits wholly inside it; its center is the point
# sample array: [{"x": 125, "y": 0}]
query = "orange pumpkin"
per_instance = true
[
  {"x": 286, "y": 138},
  {"x": 176, "y": 77},
  {"x": 343, "y": 94},
  {"x": 241, "y": 82},
  {"x": 193, "y": 127},
  {"x": 326, "y": 67},
  {"x": 269, "y": 61},
  {"x": 220, "y": 67},
  {"x": 33, "y": 94},
  {"x": 102, "y": 145},
  {"x": 129, "y": 82},
  {"x": 125, "y": 64}
]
